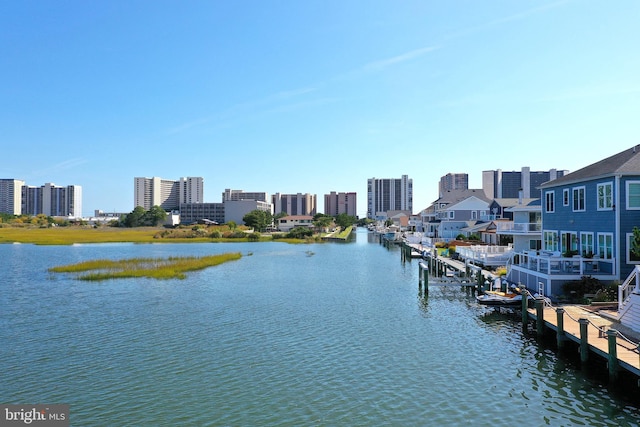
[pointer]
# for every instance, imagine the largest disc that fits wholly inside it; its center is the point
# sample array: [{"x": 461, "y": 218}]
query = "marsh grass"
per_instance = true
[
  {"x": 71, "y": 235},
  {"x": 154, "y": 268}
]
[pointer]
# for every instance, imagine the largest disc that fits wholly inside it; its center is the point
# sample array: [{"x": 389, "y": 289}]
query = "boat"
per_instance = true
[
  {"x": 500, "y": 299},
  {"x": 415, "y": 253}
]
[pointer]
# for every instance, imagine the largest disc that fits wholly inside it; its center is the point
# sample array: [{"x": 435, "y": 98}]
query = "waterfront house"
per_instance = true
[
  {"x": 288, "y": 223},
  {"x": 588, "y": 218},
  {"x": 453, "y": 211},
  {"x": 524, "y": 229}
]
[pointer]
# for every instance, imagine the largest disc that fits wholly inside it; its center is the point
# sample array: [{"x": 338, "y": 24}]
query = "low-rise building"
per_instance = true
[{"x": 288, "y": 223}]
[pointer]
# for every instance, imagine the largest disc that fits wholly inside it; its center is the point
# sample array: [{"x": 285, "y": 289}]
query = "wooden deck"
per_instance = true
[{"x": 627, "y": 352}]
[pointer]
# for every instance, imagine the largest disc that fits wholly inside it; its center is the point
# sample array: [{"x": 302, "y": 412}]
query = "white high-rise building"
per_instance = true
[
  {"x": 167, "y": 194},
  {"x": 52, "y": 200},
  {"x": 390, "y": 194},
  {"x": 11, "y": 196}
]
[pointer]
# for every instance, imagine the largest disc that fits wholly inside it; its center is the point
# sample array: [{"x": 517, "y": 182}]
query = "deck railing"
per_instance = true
[
  {"x": 631, "y": 284},
  {"x": 485, "y": 254},
  {"x": 511, "y": 227},
  {"x": 551, "y": 265}
]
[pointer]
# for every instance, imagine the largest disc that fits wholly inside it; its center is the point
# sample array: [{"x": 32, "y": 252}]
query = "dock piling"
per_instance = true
[
  {"x": 612, "y": 334},
  {"x": 539, "y": 304},
  {"x": 584, "y": 340},
  {"x": 525, "y": 312},
  {"x": 560, "y": 337}
]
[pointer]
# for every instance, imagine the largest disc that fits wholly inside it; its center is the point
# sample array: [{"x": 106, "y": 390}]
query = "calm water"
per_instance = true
[{"x": 290, "y": 335}]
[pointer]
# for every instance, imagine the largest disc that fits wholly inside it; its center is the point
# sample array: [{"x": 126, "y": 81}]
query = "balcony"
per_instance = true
[
  {"x": 485, "y": 255},
  {"x": 551, "y": 265},
  {"x": 533, "y": 269},
  {"x": 521, "y": 228}
]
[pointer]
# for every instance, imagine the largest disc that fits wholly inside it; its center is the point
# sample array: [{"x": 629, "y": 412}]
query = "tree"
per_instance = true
[
  {"x": 300, "y": 233},
  {"x": 258, "y": 219},
  {"x": 344, "y": 220},
  {"x": 154, "y": 216},
  {"x": 322, "y": 221},
  {"x": 134, "y": 218}
]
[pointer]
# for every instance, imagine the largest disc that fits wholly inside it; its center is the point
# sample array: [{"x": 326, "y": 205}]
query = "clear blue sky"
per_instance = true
[{"x": 311, "y": 96}]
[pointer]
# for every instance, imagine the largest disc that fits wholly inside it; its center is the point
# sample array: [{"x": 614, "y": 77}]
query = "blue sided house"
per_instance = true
[{"x": 588, "y": 218}]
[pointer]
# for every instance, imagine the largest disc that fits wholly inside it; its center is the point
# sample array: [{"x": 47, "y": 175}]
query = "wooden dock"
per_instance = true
[
  {"x": 593, "y": 333},
  {"x": 448, "y": 267}
]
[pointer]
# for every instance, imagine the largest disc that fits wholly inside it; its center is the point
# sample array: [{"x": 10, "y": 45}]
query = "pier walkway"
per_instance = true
[
  {"x": 597, "y": 329},
  {"x": 594, "y": 333},
  {"x": 455, "y": 265}
]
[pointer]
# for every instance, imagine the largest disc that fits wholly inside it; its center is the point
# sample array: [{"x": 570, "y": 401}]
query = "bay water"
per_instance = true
[{"x": 323, "y": 334}]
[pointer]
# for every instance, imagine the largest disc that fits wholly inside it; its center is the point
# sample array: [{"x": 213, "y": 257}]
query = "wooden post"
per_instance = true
[
  {"x": 560, "y": 337},
  {"x": 539, "y": 304},
  {"x": 426, "y": 281},
  {"x": 613, "y": 354},
  {"x": 584, "y": 340},
  {"x": 525, "y": 311}
]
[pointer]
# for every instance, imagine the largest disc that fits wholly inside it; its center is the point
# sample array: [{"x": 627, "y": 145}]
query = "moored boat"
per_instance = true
[{"x": 502, "y": 299}]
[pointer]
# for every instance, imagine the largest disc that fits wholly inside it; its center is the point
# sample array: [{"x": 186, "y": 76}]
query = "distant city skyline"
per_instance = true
[{"x": 312, "y": 96}]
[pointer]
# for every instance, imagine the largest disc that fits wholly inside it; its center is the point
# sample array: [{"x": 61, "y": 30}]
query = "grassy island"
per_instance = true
[{"x": 154, "y": 268}]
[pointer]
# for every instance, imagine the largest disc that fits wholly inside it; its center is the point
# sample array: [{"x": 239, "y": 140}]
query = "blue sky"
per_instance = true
[{"x": 311, "y": 96}]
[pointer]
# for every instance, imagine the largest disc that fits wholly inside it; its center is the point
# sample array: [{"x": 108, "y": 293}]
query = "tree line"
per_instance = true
[{"x": 260, "y": 220}]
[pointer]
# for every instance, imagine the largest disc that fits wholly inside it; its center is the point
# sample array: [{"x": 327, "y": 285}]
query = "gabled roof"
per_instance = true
[
  {"x": 533, "y": 205},
  {"x": 478, "y": 226},
  {"x": 468, "y": 202},
  {"x": 511, "y": 202},
  {"x": 454, "y": 196},
  {"x": 626, "y": 162}
]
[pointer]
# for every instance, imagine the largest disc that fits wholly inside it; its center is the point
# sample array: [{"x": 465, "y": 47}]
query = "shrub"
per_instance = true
[{"x": 576, "y": 289}]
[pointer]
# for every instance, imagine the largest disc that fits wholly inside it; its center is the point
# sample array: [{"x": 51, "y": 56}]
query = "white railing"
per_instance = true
[
  {"x": 518, "y": 227},
  {"x": 631, "y": 284},
  {"x": 485, "y": 255},
  {"x": 551, "y": 265}
]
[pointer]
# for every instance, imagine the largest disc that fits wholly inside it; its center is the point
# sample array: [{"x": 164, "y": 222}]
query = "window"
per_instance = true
[
  {"x": 550, "y": 239},
  {"x": 586, "y": 244},
  {"x": 474, "y": 215},
  {"x": 633, "y": 195},
  {"x": 451, "y": 214},
  {"x": 565, "y": 197},
  {"x": 605, "y": 196},
  {"x": 605, "y": 245},
  {"x": 549, "y": 201},
  {"x": 632, "y": 258},
  {"x": 578, "y": 199}
]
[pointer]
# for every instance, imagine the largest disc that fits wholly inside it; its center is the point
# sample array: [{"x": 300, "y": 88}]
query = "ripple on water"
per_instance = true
[{"x": 277, "y": 338}]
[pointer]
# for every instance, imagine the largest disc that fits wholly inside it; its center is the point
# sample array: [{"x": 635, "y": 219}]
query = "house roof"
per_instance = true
[
  {"x": 626, "y": 162},
  {"x": 454, "y": 196},
  {"x": 511, "y": 202},
  {"x": 473, "y": 226}
]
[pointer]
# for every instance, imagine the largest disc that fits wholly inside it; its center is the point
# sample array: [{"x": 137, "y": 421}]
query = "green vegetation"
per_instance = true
[
  {"x": 575, "y": 291},
  {"x": 635, "y": 244},
  {"x": 343, "y": 220},
  {"x": 154, "y": 268},
  {"x": 141, "y": 218},
  {"x": 258, "y": 220}
]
